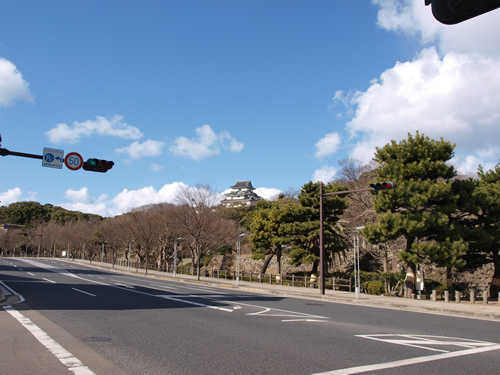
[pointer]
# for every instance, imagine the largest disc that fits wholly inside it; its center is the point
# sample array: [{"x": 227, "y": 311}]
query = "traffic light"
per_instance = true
[
  {"x": 98, "y": 165},
  {"x": 387, "y": 185},
  {"x": 451, "y": 12}
]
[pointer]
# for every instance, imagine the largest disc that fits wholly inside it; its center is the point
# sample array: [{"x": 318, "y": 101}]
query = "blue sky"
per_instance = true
[{"x": 179, "y": 93}]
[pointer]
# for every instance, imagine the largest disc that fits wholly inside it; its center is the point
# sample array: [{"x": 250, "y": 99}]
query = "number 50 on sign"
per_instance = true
[{"x": 73, "y": 161}]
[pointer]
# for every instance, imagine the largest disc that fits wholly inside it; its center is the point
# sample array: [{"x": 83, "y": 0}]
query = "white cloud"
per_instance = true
[
  {"x": 455, "y": 97},
  {"x": 115, "y": 127},
  {"x": 123, "y": 201},
  {"x": 207, "y": 144},
  {"x": 138, "y": 150},
  {"x": 12, "y": 84},
  {"x": 327, "y": 145},
  {"x": 156, "y": 167},
  {"x": 10, "y": 196},
  {"x": 267, "y": 193},
  {"x": 79, "y": 196},
  {"x": 325, "y": 174}
]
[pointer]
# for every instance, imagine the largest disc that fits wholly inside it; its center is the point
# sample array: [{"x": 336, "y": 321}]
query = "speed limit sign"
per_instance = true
[{"x": 73, "y": 161}]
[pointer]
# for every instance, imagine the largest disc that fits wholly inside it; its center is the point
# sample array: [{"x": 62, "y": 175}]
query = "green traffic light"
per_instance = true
[{"x": 93, "y": 162}]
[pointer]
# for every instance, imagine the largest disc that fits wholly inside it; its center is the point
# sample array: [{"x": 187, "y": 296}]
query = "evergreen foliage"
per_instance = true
[{"x": 419, "y": 209}]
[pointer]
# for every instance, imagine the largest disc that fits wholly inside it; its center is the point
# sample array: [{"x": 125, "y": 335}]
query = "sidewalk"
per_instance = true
[{"x": 478, "y": 310}]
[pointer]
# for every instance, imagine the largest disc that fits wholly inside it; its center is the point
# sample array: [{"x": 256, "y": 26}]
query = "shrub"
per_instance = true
[{"x": 376, "y": 287}]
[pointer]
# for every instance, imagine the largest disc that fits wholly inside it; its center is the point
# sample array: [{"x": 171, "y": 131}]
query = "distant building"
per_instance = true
[{"x": 241, "y": 194}]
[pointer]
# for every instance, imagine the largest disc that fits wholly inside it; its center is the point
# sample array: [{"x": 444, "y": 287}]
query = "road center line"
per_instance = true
[{"x": 66, "y": 358}]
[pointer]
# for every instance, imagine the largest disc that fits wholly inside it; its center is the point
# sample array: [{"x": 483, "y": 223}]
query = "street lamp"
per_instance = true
[
  {"x": 129, "y": 246},
  {"x": 102, "y": 253},
  {"x": 238, "y": 258},
  {"x": 374, "y": 187},
  {"x": 175, "y": 254},
  {"x": 357, "y": 279}
]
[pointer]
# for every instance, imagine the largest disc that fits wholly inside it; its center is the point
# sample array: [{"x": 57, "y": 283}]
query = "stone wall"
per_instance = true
[
  {"x": 481, "y": 278},
  {"x": 249, "y": 265}
]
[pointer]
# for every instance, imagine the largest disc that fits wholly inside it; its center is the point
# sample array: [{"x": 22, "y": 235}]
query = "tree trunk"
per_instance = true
[
  {"x": 385, "y": 260},
  {"x": 278, "y": 258},
  {"x": 495, "y": 282},
  {"x": 315, "y": 267},
  {"x": 449, "y": 280},
  {"x": 266, "y": 263}
]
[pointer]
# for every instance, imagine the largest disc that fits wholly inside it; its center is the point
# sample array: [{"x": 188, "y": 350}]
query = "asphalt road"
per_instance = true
[{"x": 111, "y": 323}]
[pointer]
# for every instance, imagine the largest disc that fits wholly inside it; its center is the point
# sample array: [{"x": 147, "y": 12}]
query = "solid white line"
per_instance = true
[
  {"x": 66, "y": 358},
  {"x": 81, "y": 291},
  {"x": 410, "y": 361},
  {"x": 303, "y": 320}
]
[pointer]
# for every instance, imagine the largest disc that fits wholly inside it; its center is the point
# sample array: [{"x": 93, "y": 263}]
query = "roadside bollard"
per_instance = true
[
  {"x": 457, "y": 296},
  {"x": 434, "y": 296},
  {"x": 473, "y": 296},
  {"x": 446, "y": 296},
  {"x": 485, "y": 297}
]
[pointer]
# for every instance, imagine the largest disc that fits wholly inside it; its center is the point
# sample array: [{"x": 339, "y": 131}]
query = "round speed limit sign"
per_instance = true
[{"x": 73, "y": 161}]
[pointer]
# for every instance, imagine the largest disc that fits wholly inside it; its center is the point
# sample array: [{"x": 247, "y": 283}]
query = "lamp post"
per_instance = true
[
  {"x": 129, "y": 246},
  {"x": 321, "y": 230},
  {"x": 357, "y": 278},
  {"x": 102, "y": 254},
  {"x": 238, "y": 258},
  {"x": 175, "y": 254}
]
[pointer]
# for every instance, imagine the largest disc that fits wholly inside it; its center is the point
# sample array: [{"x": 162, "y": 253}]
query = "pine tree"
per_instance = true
[
  {"x": 420, "y": 207},
  {"x": 305, "y": 230}
]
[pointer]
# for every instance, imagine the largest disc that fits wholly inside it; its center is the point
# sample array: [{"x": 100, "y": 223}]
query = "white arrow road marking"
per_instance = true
[
  {"x": 171, "y": 298},
  {"x": 419, "y": 341}
]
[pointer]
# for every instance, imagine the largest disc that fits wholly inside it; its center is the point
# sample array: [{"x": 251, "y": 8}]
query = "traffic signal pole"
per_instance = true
[{"x": 5, "y": 152}]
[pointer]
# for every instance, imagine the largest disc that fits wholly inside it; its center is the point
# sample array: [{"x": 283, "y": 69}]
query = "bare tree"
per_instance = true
[{"x": 199, "y": 222}]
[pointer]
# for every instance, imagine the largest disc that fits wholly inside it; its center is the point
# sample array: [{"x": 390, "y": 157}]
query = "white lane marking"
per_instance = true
[
  {"x": 65, "y": 357},
  {"x": 410, "y": 361},
  {"x": 200, "y": 288},
  {"x": 50, "y": 281},
  {"x": 274, "y": 312},
  {"x": 282, "y": 313},
  {"x": 163, "y": 286},
  {"x": 81, "y": 291},
  {"x": 427, "y": 342},
  {"x": 125, "y": 286},
  {"x": 171, "y": 298},
  {"x": 303, "y": 320},
  {"x": 50, "y": 268},
  {"x": 29, "y": 273}
]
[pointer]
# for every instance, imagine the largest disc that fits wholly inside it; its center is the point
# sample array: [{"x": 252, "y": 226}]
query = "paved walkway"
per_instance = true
[{"x": 478, "y": 310}]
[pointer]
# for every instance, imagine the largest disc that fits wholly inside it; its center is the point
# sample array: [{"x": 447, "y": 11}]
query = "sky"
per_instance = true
[{"x": 183, "y": 93}]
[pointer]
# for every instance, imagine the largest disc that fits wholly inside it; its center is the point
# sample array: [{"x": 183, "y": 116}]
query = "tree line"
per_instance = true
[{"x": 433, "y": 216}]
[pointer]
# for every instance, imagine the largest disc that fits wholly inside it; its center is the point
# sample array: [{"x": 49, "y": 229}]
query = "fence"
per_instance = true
[{"x": 331, "y": 283}]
